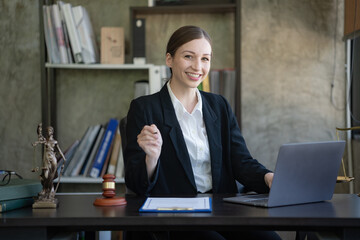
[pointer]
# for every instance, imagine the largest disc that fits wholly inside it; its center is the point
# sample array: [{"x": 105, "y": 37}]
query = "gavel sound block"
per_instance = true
[{"x": 109, "y": 198}]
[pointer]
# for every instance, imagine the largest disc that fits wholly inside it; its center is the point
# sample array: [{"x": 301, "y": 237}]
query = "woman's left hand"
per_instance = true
[{"x": 269, "y": 178}]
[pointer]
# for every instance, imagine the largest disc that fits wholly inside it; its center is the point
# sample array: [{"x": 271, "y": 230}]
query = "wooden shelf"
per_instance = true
[
  {"x": 213, "y": 8},
  {"x": 100, "y": 66},
  {"x": 154, "y": 71}
]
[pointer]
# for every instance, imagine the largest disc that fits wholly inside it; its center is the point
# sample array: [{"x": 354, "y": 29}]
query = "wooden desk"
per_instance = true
[{"x": 76, "y": 212}]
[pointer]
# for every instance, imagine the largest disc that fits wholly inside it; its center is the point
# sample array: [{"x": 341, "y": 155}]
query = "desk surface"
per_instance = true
[{"x": 78, "y": 212}]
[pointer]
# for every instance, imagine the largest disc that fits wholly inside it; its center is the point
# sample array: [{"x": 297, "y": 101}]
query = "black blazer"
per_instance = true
[{"x": 230, "y": 158}]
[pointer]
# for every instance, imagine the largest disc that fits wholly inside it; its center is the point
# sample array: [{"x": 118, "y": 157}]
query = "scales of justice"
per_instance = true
[{"x": 49, "y": 172}]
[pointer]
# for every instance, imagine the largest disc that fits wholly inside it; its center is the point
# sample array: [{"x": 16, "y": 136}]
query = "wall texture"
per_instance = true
[
  {"x": 288, "y": 66},
  {"x": 20, "y": 106}
]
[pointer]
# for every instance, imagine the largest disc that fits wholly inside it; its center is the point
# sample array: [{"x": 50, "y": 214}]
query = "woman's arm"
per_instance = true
[
  {"x": 141, "y": 155},
  {"x": 150, "y": 141},
  {"x": 247, "y": 170}
]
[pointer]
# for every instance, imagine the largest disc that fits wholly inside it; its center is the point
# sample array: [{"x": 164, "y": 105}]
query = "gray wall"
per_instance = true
[
  {"x": 288, "y": 66},
  {"x": 20, "y": 109}
]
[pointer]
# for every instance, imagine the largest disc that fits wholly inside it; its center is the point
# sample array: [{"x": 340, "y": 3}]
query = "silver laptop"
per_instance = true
[{"x": 304, "y": 173}]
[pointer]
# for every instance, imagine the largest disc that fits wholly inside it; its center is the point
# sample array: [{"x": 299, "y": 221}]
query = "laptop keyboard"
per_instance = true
[
  {"x": 258, "y": 201},
  {"x": 250, "y": 199},
  {"x": 256, "y": 198}
]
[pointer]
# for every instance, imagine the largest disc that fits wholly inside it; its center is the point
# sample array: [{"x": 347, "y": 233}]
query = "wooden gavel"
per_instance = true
[{"x": 109, "y": 198}]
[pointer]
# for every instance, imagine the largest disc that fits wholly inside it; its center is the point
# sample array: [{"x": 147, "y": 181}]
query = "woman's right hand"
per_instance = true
[{"x": 150, "y": 141}]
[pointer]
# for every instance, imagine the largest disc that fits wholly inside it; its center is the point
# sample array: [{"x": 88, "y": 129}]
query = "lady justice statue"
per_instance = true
[{"x": 46, "y": 198}]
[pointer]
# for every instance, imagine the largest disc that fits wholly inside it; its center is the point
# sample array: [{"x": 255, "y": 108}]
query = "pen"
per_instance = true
[{"x": 174, "y": 209}]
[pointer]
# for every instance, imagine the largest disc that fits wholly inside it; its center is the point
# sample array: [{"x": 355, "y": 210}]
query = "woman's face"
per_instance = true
[{"x": 190, "y": 63}]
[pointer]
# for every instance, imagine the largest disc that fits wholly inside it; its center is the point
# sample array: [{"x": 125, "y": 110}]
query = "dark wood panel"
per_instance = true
[
  {"x": 78, "y": 212},
  {"x": 216, "y": 8}
]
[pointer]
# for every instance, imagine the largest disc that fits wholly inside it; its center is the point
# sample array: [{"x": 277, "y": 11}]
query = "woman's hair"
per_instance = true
[{"x": 183, "y": 35}]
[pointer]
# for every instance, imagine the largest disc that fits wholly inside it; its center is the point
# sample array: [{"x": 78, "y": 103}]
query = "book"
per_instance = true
[
  {"x": 107, "y": 160},
  {"x": 112, "y": 45},
  {"x": 13, "y": 204},
  {"x": 214, "y": 80},
  {"x": 104, "y": 148},
  {"x": 94, "y": 150},
  {"x": 70, "y": 153},
  {"x": 120, "y": 171},
  {"x": 115, "y": 153},
  {"x": 59, "y": 34},
  {"x": 77, "y": 153},
  {"x": 89, "y": 49},
  {"x": 20, "y": 188},
  {"x": 66, "y": 34},
  {"x": 206, "y": 84},
  {"x": 66, "y": 8},
  {"x": 50, "y": 37},
  {"x": 84, "y": 149},
  {"x": 228, "y": 82}
]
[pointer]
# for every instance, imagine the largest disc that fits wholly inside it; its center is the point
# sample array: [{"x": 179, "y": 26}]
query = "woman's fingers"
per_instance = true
[{"x": 150, "y": 140}]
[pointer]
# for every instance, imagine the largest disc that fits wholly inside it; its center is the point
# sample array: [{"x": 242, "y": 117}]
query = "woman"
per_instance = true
[{"x": 181, "y": 141}]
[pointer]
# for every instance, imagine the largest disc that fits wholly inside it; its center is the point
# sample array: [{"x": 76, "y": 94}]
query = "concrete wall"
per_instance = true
[
  {"x": 288, "y": 66},
  {"x": 20, "y": 104}
]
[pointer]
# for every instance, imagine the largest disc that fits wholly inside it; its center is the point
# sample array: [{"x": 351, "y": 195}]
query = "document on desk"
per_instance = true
[{"x": 161, "y": 204}]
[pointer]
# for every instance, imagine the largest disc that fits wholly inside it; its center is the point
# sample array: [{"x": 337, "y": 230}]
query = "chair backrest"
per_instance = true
[{"x": 122, "y": 127}]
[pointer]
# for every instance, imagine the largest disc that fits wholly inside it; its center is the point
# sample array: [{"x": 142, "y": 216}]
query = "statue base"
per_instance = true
[{"x": 45, "y": 204}]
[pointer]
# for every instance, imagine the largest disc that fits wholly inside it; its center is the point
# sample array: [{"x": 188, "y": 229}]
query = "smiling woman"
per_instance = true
[
  {"x": 198, "y": 146},
  {"x": 189, "y": 66},
  {"x": 188, "y": 53}
]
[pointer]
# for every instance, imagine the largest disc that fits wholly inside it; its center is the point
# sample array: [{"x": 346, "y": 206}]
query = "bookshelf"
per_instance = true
[{"x": 50, "y": 72}]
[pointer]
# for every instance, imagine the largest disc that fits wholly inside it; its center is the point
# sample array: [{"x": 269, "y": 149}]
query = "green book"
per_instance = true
[
  {"x": 12, "y": 204},
  {"x": 20, "y": 188}
]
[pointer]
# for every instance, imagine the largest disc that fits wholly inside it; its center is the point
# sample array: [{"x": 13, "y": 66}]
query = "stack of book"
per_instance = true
[
  {"x": 69, "y": 35},
  {"x": 99, "y": 152},
  {"x": 18, "y": 193}
]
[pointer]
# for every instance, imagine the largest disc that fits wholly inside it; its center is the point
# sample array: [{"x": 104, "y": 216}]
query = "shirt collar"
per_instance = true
[{"x": 179, "y": 108}]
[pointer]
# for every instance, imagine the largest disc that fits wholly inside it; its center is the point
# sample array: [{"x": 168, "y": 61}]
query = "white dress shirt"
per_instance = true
[{"x": 194, "y": 131}]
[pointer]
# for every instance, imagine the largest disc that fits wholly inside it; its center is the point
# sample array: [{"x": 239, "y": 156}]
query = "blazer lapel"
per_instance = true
[
  {"x": 176, "y": 135},
  {"x": 213, "y": 130}
]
